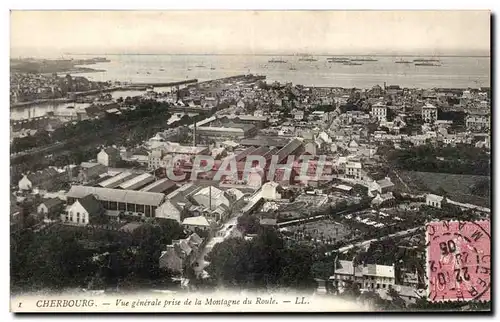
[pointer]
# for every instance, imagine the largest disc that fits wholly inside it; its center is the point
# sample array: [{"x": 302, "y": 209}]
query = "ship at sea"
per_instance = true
[
  {"x": 293, "y": 68},
  {"x": 338, "y": 60},
  {"x": 307, "y": 59},
  {"x": 276, "y": 61},
  {"x": 364, "y": 59},
  {"x": 427, "y": 64},
  {"x": 352, "y": 64},
  {"x": 424, "y": 60},
  {"x": 403, "y": 61}
]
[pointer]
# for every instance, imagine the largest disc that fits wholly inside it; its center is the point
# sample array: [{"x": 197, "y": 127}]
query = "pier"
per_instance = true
[{"x": 168, "y": 84}]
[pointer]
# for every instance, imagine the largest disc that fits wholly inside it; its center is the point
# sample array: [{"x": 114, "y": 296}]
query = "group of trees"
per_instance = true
[
  {"x": 459, "y": 159},
  {"x": 66, "y": 257},
  {"x": 260, "y": 263}
]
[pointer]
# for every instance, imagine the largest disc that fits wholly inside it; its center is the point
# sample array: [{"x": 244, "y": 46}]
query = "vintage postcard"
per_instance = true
[{"x": 250, "y": 161}]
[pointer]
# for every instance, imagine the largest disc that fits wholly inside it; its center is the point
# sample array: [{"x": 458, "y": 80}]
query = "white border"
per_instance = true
[{"x": 191, "y": 4}]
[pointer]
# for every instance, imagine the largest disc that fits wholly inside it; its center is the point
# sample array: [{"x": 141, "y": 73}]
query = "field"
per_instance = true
[
  {"x": 461, "y": 188},
  {"x": 327, "y": 230}
]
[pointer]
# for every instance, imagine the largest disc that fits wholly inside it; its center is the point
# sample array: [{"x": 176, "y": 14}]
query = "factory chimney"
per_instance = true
[{"x": 194, "y": 134}]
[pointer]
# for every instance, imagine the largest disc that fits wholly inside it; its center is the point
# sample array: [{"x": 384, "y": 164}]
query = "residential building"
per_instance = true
[
  {"x": 379, "y": 111},
  {"x": 383, "y": 186},
  {"x": 370, "y": 276},
  {"x": 433, "y": 200},
  {"x": 50, "y": 208},
  {"x": 44, "y": 180},
  {"x": 108, "y": 157},
  {"x": 478, "y": 121},
  {"x": 429, "y": 113},
  {"x": 176, "y": 203},
  {"x": 353, "y": 170},
  {"x": 83, "y": 211},
  {"x": 181, "y": 254},
  {"x": 199, "y": 223}
]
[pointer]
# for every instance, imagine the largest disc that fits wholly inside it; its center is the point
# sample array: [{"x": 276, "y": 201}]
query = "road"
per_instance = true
[{"x": 220, "y": 236}]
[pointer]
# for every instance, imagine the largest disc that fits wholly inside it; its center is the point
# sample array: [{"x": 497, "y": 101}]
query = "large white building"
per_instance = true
[
  {"x": 477, "y": 121},
  {"x": 429, "y": 113},
  {"x": 353, "y": 170},
  {"x": 370, "y": 276},
  {"x": 379, "y": 111},
  {"x": 166, "y": 153}
]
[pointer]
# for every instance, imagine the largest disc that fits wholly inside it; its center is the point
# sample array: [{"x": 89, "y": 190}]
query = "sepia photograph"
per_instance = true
[{"x": 250, "y": 161}]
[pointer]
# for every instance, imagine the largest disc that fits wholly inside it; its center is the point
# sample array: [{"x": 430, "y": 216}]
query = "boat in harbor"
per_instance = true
[
  {"x": 200, "y": 66},
  {"x": 293, "y": 68},
  {"x": 162, "y": 70},
  {"x": 276, "y": 61},
  {"x": 403, "y": 62}
]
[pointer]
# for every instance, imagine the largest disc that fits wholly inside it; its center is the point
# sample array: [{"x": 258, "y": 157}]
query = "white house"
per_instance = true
[
  {"x": 433, "y": 200},
  {"x": 211, "y": 197},
  {"x": 271, "y": 191},
  {"x": 82, "y": 211},
  {"x": 378, "y": 276},
  {"x": 200, "y": 222},
  {"x": 169, "y": 210},
  {"x": 369, "y": 276}
]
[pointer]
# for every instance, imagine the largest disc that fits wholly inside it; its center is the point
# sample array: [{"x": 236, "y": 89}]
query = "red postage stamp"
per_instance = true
[{"x": 458, "y": 261}]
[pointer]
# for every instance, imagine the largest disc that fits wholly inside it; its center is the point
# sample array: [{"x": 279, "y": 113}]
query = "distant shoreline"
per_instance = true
[{"x": 286, "y": 55}]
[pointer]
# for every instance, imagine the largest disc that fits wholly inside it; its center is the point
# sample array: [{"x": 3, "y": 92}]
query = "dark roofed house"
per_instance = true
[
  {"x": 181, "y": 254},
  {"x": 108, "y": 157},
  {"x": 50, "y": 207},
  {"x": 383, "y": 186},
  {"x": 45, "y": 179}
]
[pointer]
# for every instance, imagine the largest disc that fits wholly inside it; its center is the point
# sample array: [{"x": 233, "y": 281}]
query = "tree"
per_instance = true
[{"x": 260, "y": 263}]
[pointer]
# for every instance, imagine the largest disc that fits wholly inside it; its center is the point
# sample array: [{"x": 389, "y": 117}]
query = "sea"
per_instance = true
[{"x": 453, "y": 72}]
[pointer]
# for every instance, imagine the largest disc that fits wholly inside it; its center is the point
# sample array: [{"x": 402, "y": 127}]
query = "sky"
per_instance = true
[{"x": 53, "y": 33}]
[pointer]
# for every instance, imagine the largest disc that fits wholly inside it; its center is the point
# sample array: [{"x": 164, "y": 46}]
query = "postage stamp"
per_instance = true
[{"x": 458, "y": 261}]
